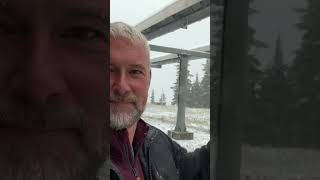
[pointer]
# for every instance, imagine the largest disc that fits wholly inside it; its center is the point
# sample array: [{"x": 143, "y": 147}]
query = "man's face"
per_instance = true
[
  {"x": 129, "y": 82},
  {"x": 53, "y": 118}
]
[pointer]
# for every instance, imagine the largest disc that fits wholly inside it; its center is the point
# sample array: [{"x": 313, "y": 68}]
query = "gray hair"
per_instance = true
[{"x": 123, "y": 30}]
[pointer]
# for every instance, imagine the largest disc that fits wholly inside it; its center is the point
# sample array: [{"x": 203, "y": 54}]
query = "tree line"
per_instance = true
[
  {"x": 198, "y": 92},
  {"x": 284, "y": 99}
]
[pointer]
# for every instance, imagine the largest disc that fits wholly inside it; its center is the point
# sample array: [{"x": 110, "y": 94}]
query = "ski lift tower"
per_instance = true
[
  {"x": 182, "y": 57},
  {"x": 179, "y": 14}
]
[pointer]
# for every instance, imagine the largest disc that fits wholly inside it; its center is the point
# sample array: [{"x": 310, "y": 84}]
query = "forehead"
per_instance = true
[
  {"x": 124, "y": 51},
  {"x": 49, "y": 8}
]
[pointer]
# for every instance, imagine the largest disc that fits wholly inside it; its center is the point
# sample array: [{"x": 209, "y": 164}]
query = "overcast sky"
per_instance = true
[{"x": 196, "y": 35}]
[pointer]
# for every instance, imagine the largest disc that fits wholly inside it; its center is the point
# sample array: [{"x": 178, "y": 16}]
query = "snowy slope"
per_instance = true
[{"x": 197, "y": 121}]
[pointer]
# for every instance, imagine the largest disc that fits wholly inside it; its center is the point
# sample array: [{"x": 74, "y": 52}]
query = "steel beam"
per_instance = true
[
  {"x": 173, "y": 58},
  {"x": 165, "y": 13},
  {"x": 179, "y": 14},
  {"x": 164, "y": 49},
  {"x": 177, "y": 24}
]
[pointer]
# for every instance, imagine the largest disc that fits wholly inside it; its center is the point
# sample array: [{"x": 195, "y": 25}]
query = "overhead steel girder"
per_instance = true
[
  {"x": 164, "y": 49},
  {"x": 180, "y": 14},
  {"x": 173, "y": 58}
]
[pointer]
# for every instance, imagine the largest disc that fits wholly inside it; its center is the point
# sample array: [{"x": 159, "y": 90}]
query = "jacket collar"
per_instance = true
[{"x": 120, "y": 137}]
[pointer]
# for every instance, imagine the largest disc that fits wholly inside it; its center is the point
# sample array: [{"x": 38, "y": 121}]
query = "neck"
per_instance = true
[{"x": 131, "y": 131}]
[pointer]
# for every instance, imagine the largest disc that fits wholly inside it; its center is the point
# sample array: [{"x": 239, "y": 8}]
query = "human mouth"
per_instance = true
[
  {"x": 121, "y": 102},
  {"x": 122, "y": 105},
  {"x": 38, "y": 133},
  {"x": 40, "y": 126}
]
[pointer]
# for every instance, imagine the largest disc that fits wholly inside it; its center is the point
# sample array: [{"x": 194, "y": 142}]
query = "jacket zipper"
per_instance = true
[{"x": 131, "y": 162}]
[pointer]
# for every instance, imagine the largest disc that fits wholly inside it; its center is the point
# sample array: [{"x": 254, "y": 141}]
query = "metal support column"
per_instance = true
[
  {"x": 183, "y": 73},
  {"x": 180, "y": 131}
]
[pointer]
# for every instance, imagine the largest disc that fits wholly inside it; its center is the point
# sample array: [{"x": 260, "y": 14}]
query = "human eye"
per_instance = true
[
  {"x": 84, "y": 38},
  {"x": 136, "y": 72},
  {"x": 84, "y": 33}
]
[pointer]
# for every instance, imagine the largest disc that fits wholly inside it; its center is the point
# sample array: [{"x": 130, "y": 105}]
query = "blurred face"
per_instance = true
[
  {"x": 129, "y": 82},
  {"x": 53, "y": 120}
]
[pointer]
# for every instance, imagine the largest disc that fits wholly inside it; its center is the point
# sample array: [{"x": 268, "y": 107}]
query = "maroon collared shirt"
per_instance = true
[{"x": 125, "y": 157}]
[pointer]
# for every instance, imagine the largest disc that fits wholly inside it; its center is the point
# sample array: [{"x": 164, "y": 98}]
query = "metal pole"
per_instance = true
[{"x": 181, "y": 125}]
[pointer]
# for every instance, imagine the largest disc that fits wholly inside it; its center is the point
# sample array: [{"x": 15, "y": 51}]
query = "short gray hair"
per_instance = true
[{"x": 123, "y": 30}]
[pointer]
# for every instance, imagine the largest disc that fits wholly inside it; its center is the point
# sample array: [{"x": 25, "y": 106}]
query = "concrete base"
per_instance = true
[{"x": 180, "y": 135}]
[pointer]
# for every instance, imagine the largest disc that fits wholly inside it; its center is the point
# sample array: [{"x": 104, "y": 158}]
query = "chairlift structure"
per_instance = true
[{"x": 179, "y": 14}]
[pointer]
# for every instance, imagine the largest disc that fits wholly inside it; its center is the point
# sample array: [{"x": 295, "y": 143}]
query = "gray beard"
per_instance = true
[
  {"x": 50, "y": 169},
  {"x": 122, "y": 120},
  {"x": 16, "y": 165}
]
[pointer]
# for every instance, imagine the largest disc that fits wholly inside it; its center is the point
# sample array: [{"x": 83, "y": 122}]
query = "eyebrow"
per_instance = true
[
  {"x": 85, "y": 12},
  {"x": 88, "y": 13}
]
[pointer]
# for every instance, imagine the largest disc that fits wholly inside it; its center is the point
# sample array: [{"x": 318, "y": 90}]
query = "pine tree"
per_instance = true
[
  {"x": 152, "y": 97},
  {"x": 254, "y": 65},
  {"x": 305, "y": 75},
  {"x": 175, "y": 88},
  {"x": 275, "y": 98},
  {"x": 195, "y": 93},
  {"x": 254, "y": 78},
  {"x": 306, "y": 65},
  {"x": 163, "y": 99},
  {"x": 205, "y": 87}
]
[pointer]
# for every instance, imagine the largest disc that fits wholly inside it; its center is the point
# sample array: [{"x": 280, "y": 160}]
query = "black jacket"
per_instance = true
[{"x": 164, "y": 159}]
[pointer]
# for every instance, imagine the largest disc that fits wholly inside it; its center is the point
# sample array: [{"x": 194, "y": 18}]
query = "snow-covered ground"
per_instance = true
[
  {"x": 257, "y": 163},
  {"x": 197, "y": 122},
  {"x": 267, "y": 163}
]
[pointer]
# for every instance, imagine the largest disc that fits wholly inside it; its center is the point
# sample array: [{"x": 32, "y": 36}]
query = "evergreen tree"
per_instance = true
[
  {"x": 152, "y": 97},
  {"x": 275, "y": 98},
  {"x": 254, "y": 65},
  {"x": 195, "y": 93},
  {"x": 205, "y": 87},
  {"x": 175, "y": 88},
  {"x": 163, "y": 99},
  {"x": 254, "y": 78},
  {"x": 305, "y": 75}
]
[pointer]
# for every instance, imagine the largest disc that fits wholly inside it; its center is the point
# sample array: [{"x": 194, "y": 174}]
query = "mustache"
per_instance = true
[
  {"x": 123, "y": 98},
  {"x": 55, "y": 113}
]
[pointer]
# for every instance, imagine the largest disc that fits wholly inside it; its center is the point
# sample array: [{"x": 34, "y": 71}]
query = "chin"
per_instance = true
[
  {"x": 123, "y": 120},
  {"x": 44, "y": 156}
]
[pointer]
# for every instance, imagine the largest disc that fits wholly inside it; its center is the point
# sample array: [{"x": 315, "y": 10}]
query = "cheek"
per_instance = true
[
  {"x": 9, "y": 66},
  {"x": 142, "y": 92},
  {"x": 87, "y": 80},
  {"x": 111, "y": 79}
]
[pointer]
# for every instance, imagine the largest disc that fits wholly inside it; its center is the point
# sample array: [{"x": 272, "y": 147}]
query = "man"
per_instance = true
[
  {"x": 53, "y": 120},
  {"x": 138, "y": 150}
]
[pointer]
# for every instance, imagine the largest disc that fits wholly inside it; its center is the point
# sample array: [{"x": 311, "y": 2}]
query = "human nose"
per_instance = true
[
  {"x": 37, "y": 76},
  {"x": 120, "y": 83}
]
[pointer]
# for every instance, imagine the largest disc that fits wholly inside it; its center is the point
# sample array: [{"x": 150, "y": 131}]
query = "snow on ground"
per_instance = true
[
  {"x": 197, "y": 118},
  {"x": 197, "y": 121},
  {"x": 260, "y": 163}
]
